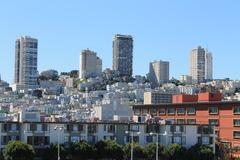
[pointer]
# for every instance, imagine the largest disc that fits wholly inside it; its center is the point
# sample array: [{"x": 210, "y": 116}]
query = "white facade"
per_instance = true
[
  {"x": 44, "y": 134},
  {"x": 158, "y": 72},
  {"x": 108, "y": 111},
  {"x": 26, "y": 58},
  {"x": 90, "y": 64}
]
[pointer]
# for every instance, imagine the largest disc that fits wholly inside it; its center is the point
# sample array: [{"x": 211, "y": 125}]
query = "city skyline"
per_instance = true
[{"x": 157, "y": 33}]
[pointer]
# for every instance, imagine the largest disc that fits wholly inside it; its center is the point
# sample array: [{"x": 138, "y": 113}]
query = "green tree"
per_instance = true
[
  {"x": 138, "y": 152},
  {"x": 52, "y": 152},
  {"x": 109, "y": 150},
  {"x": 175, "y": 152},
  {"x": 16, "y": 150},
  {"x": 199, "y": 152},
  {"x": 82, "y": 150},
  {"x": 150, "y": 151}
]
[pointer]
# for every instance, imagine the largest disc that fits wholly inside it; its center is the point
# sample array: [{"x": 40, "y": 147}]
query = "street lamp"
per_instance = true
[
  {"x": 157, "y": 135},
  {"x": 132, "y": 134},
  {"x": 60, "y": 128}
]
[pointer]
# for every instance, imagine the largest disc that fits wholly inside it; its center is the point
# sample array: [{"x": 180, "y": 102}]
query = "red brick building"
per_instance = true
[{"x": 204, "y": 108}]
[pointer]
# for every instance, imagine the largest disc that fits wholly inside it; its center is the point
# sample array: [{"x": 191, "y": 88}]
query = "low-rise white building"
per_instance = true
[{"x": 41, "y": 135}]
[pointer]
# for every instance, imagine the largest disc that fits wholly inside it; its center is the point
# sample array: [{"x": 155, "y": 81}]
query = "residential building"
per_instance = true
[
  {"x": 112, "y": 111},
  {"x": 123, "y": 54},
  {"x": 26, "y": 62},
  {"x": 155, "y": 97},
  {"x": 200, "y": 65},
  {"x": 158, "y": 72},
  {"x": 186, "y": 79},
  {"x": 90, "y": 64},
  {"x": 41, "y": 134},
  {"x": 208, "y": 66},
  {"x": 204, "y": 108}
]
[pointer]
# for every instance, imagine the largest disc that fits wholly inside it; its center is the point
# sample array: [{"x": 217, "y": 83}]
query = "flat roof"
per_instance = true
[
  {"x": 189, "y": 103},
  {"x": 120, "y": 123}
]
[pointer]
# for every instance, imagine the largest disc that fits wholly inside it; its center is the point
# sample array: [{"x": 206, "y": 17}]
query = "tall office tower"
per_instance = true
[
  {"x": 90, "y": 64},
  {"x": 208, "y": 66},
  {"x": 200, "y": 65},
  {"x": 26, "y": 53},
  {"x": 123, "y": 54},
  {"x": 158, "y": 72}
]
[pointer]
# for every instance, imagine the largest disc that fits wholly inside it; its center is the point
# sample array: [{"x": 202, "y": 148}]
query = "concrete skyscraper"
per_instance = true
[
  {"x": 26, "y": 61},
  {"x": 123, "y": 54},
  {"x": 90, "y": 64},
  {"x": 200, "y": 65},
  {"x": 158, "y": 72},
  {"x": 208, "y": 66}
]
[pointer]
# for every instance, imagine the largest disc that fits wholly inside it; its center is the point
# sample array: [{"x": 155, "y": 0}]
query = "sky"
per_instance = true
[{"x": 162, "y": 30}]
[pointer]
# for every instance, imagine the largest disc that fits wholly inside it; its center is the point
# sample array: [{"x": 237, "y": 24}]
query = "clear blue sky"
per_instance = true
[{"x": 162, "y": 29}]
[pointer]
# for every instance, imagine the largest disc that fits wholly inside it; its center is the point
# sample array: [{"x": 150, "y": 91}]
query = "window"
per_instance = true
[
  {"x": 180, "y": 121},
  {"x": 4, "y": 127},
  {"x": 213, "y": 110},
  {"x": 44, "y": 127},
  {"x": 161, "y": 111},
  {"x": 177, "y": 128},
  {"x": 75, "y": 139},
  {"x": 137, "y": 112},
  {"x": 213, "y": 122},
  {"x": 153, "y": 112},
  {"x": 206, "y": 140},
  {"x": 70, "y": 127},
  {"x": 191, "y": 110},
  {"x": 171, "y": 111},
  {"x": 135, "y": 139},
  {"x": 144, "y": 112},
  {"x": 191, "y": 121},
  {"x": 110, "y": 128},
  {"x": 205, "y": 130},
  {"x": 236, "y": 134},
  {"x": 236, "y": 110},
  {"x": 80, "y": 127},
  {"x": 33, "y": 127},
  {"x": 236, "y": 122},
  {"x": 134, "y": 128},
  {"x": 180, "y": 110},
  {"x": 4, "y": 140},
  {"x": 92, "y": 128},
  {"x": 179, "y": 140},
  {"x": 149, "y": 139}
]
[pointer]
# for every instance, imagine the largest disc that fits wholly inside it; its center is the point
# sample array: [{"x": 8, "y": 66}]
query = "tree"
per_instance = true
[
  {"x": 52, "y": 152},
  {"x": 150, "y": 151},
  {"x": 138, "y": 152},
  {"x": 82, "y": 150},
  {"x": 109, "y": 150},
  {"x": 175, "y": 152},
  {"x": 199, "y": 152},
  {"x": 16, "y": 150}
]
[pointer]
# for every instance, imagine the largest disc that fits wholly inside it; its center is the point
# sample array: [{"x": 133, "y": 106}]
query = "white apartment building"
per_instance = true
[
  {"x": 41, "y": 135},
  {"x": 26, "y": 62}
]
